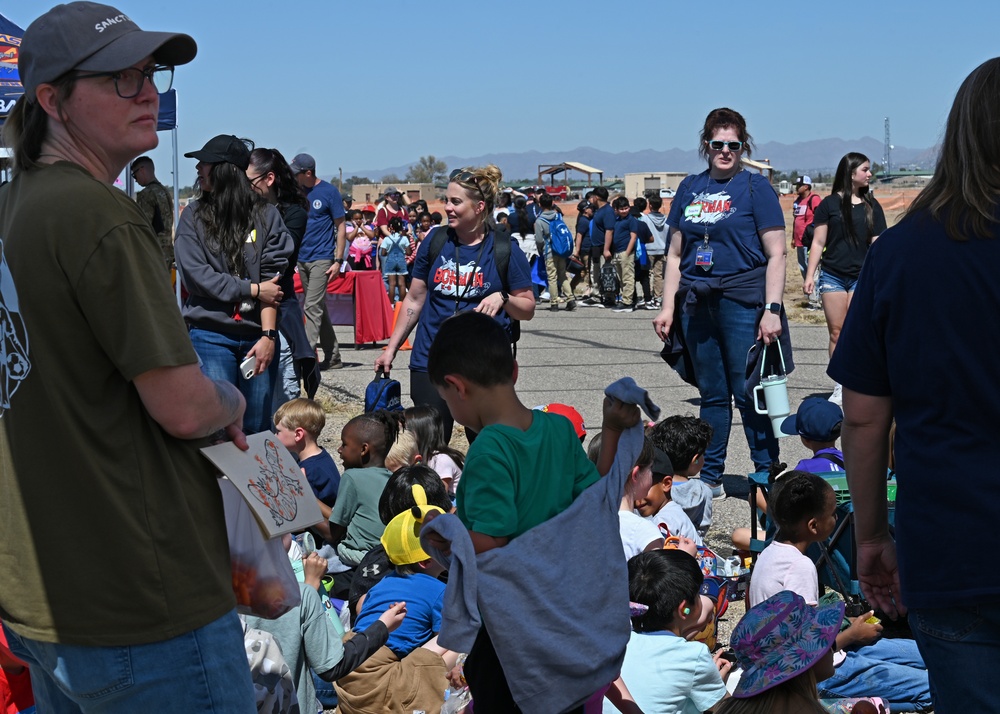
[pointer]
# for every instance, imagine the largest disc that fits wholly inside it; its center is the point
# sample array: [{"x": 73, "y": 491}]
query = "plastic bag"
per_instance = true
[{"x": 263, "y": 580}]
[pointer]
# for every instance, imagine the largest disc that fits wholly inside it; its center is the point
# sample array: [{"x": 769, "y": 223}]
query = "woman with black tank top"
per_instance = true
[{"x": 847, "y": 222}]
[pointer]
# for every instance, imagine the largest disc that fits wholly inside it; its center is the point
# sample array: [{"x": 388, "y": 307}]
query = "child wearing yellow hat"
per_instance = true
[{"x": 410, "y": 669}]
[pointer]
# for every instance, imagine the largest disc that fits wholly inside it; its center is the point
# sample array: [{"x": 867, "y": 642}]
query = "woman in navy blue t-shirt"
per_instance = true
[
  {"x": 462, "y": 277},
  {"x": 724, "y": 279}
]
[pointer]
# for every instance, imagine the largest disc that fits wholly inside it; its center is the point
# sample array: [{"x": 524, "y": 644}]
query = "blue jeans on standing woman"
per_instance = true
[
  {"x": 718, "y": 336},
  {"x": 221, "y": 355}
]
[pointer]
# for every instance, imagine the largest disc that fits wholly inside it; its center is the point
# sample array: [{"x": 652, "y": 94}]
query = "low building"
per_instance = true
[
  {"x": 639, "y": 184},
  {"x": 372, "y": 192}
]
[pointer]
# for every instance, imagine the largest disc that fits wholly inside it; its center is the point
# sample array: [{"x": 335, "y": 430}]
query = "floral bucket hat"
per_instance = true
[{"x": 781, "y": 638}]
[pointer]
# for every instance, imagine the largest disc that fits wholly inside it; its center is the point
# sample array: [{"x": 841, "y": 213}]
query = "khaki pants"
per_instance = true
[
  {"x": 625, "y": 265},
  {"x": 319, "y": 331},
  {"x": 555, "y": 268},
  {"x": 656, "y": 265}
]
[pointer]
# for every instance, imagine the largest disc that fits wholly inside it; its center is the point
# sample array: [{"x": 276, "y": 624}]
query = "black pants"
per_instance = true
[{"x": 487, "y": 680}]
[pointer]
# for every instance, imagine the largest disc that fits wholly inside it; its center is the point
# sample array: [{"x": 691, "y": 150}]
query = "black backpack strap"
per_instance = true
[
  {"x": 833, "y": 458},
  {"x": 501, "y": 254},
  {"x": 438, "y": 238}
]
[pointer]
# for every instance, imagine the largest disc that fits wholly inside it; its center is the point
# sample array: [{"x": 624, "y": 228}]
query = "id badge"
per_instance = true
[{"x": 703, "y": 258}]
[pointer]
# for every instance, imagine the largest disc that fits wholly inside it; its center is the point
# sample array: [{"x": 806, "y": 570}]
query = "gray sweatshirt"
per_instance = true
[{"x": 214, "y": 293}]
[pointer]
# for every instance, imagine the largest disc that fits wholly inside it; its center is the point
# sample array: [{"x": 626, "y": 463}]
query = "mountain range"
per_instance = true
[{"x": 819, "y": 155}]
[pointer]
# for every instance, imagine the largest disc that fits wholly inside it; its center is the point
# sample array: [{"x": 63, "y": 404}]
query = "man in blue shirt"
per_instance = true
[
  {"x": 320, "y": 256},
  {"x": 601, "y": 228}
]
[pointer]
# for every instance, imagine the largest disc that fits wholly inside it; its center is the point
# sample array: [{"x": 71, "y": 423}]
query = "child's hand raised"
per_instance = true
[
  {"x": 619, "y": 416},
  {"x": 394, "y": 616}
]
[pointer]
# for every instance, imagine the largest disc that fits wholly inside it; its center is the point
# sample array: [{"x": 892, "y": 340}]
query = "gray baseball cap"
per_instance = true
[
  {"x": 91, "y": 37},
  {"x": 301, "y": 163}
]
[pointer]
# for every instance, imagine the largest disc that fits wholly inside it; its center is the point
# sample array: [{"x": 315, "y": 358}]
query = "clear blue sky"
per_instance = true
[{"x": 375, "y": 84}]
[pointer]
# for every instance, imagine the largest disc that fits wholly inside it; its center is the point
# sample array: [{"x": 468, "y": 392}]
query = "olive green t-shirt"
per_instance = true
[
  {"x": 514, "y": 480},
  {"x": 111, "y": 531}
]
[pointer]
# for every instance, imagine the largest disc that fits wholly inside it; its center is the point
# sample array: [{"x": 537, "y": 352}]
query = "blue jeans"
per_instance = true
[
  {"x": 718, "y": 336},
  {"x": 221, "y": 355},
  {"x": 287, "y": 385},
  {"x": 204, "y": 670},
  {"x": 961, "y": 646},
  {"x": 891, "y": 669}
]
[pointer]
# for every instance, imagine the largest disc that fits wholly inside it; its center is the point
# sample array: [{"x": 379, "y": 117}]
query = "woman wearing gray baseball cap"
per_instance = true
[{"x": 115, "y": 583}]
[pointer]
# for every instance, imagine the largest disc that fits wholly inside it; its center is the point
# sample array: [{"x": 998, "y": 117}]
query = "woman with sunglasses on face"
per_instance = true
[
  {"x": 723, "y": 284},
  {"x": 271, "y": 177},
  {"x": 847, "y": 222},
  {"x": 463, "y": 276},
  {"x": 232, "y": 249}
]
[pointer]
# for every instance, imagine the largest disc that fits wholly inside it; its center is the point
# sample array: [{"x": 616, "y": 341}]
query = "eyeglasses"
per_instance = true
[
  {"x": 128, "y": 82},
  {"x": 716, "y": 145},
  {"x": 254, "y": 180}
]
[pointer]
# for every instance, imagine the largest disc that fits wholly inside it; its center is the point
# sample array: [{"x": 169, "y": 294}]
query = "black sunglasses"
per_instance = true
[{"x": 716, "y": 145}]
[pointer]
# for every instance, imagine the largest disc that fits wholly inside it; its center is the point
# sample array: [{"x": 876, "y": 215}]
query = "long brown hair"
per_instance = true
[
  {"x": 798, "y": 695},
  {"x": 844, "y": 187},
  {"x": 963, "y": 191}
]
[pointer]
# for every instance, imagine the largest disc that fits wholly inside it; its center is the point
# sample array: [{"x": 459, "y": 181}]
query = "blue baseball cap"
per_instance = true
[{"x": 817, "y": 419}]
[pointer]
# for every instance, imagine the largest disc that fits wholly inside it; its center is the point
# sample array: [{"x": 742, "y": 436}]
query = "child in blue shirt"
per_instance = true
[
  {"x": 298, "y": 424},
  {"x": 394, "y": 249}
]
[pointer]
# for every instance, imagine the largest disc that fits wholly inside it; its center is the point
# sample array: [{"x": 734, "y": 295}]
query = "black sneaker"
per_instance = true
[
  {"x": 553, "y": 308},
  {"x": 624, "y": 308},
  {"x": 570, "y": 306}
]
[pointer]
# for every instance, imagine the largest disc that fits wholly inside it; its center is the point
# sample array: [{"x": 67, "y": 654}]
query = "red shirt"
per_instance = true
[
  {"x": 803, "y": 212},
  {"x": 386, "y": 214}
]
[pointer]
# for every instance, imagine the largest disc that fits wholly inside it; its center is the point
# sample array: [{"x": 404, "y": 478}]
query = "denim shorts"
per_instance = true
[
  {"x": 832, "y": 283},
  {"x": 393, "y": 265}
]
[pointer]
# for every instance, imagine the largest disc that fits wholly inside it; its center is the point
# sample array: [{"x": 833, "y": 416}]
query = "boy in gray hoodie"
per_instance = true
[
  {"x": 555, "y": 265},
  {"x": 656, "y": 250}
]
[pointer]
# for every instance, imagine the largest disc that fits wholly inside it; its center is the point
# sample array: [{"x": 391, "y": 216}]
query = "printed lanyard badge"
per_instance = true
[{"x": 703, "y": 256}]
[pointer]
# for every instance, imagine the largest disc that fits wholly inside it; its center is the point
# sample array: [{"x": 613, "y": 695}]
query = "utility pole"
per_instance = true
[
  {"x": 887, "y": 151},
  {"x": 341, "y": 177}
]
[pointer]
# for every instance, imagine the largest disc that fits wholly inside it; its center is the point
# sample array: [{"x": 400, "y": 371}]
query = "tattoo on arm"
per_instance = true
[{"x": 228, "y": 400}]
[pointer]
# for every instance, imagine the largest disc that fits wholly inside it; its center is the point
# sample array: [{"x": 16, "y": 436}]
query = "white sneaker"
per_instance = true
[
  {"x": 837, "y": 397},
  {"x": 544, "y": 296}
]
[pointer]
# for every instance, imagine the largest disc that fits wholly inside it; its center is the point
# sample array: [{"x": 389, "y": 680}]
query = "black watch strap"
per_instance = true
[
  {"x": 269, "y": 334},
  {"x": 774, "y": 307}
]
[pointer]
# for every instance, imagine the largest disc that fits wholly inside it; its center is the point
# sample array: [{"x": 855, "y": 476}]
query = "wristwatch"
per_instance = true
[
  {"x": 774, "y": 307},
  {"x": 269, "y": 334}
]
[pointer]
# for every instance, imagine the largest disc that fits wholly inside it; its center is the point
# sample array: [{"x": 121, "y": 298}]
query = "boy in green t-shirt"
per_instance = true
[{"x": 524, "y": 467}]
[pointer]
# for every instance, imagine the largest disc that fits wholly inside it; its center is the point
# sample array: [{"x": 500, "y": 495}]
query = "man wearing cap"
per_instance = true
[
  {"x": 103, "y": 406},
  {"x": 155, "y": 202},
  {"x": 321, "y": 255},
  {"x": 803, "y": 210}
]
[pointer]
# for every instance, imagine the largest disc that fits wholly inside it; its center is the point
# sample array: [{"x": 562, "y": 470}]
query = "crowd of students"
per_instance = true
[{"x": 374, "y": 595}]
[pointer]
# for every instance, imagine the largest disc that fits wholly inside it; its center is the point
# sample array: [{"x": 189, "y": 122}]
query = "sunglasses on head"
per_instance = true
[
  {"x": 463, "y": 175},
  {"x": 716, "y": 145}
]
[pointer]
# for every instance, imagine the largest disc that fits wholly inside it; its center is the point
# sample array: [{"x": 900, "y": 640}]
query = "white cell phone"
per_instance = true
[{"x": 248, "y": 367}]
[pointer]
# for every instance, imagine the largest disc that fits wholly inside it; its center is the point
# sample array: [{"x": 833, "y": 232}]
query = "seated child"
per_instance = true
[
  {"x": 658, "y": 507},
  {"x": 428, "y": 428},
  {"x": 397, "y": 496},
  {"x": 298, "y": 424},
  {"x": 638, "y": 534},
  {"x": 817, "y": 423},
  {"x": 354, "y": 527},
  {"x": 309, "y": 640},
  {"x": 409, "y": 673},
  {"x": 662, "y": 670},
  {"x": 403, "y": 452},
  {"x": 684, "y": 440},
  {"x": 524, "y": 468},
  {"x": 784, "y": 648},
  {"x": 805, "y": 508}
]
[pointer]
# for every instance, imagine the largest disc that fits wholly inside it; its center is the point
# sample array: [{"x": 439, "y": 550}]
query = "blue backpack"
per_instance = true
[
  {"x": 383, "y": 394},
  {"x": 562, "y": 237}
]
